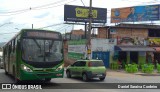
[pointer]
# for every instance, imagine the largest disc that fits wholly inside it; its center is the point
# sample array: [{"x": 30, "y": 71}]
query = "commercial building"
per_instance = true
[
  {"x": 128, "y": 43},
  {"x": 136, "y": 43}
]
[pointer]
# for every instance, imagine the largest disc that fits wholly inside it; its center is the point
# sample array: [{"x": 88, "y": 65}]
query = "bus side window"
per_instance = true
[
  {"x": 15, "y": 43},
  {"x": 9, "y": 49},
  {"x": 18, "y": 44}
]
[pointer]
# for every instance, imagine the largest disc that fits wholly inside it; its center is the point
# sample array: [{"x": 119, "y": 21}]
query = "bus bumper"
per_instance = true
[{"x": 40, "y": 75}]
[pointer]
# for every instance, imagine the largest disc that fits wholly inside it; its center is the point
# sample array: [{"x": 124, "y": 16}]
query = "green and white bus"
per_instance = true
[{"x": 34, "y": 54}]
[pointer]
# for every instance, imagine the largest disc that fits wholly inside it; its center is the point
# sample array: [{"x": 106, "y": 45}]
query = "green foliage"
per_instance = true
[
  {"x": 147, "y": 68},
  {"x": 114, "y": 65},
  {"x": 131, "y": 68},
  {"x": 158, "y": 68}
]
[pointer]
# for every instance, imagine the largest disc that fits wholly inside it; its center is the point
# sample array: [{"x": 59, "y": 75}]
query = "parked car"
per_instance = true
[
  {"x": 1, "y": 63},
  {"x": 87, "y": 69}
]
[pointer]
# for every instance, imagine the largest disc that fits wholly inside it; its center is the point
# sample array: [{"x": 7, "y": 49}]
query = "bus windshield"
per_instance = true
[{"x": 41, "y": 50}]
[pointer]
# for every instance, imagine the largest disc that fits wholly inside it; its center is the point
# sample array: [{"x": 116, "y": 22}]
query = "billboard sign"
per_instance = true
[
  {"x": 76, "y": 49},
  {"x": 135, "y": 14},
  {"x": 155, "y": 42},
  {"x": 80, "y": 14}
]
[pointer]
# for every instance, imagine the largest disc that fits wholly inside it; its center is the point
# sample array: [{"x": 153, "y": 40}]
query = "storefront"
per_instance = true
[
  {"x": 154, "y": 42},
  {"x": 133, "y": 54}
]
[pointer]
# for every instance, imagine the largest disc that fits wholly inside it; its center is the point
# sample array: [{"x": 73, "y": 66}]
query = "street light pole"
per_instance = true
[{"x": 89, "y": 32}]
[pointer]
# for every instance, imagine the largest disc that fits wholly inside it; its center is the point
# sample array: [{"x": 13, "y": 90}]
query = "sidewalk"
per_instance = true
[{"x": 123, "y": 73}]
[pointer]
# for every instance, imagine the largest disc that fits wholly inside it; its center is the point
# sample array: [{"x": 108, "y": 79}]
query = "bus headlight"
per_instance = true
[
  {"x": 59, "y": 68},
  {"x": 25, "y": 68}
]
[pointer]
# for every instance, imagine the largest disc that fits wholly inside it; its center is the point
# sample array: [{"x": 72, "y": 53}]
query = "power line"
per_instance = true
[
  {"x": 65, "y": 26},
  {"x": 54, "y": 5},
  {"x": 31, "y": 8},
  {"x": 43, "y": 27},
  {"x": 51, "y": 25},
  {"x": 46, "y": 6},
  {"x": 83, "y": 3}
]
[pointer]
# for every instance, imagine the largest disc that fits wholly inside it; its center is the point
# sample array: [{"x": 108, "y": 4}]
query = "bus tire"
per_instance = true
[
  {"x": 5, "y": 70},
  {"x": 14, "y": 76},
  {"x": 17, "y": 80}
]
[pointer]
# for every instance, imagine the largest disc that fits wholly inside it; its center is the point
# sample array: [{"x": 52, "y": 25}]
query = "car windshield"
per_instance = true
[
  {"x": 96, "y": 63},
  {"x": 41, "y": 50}
]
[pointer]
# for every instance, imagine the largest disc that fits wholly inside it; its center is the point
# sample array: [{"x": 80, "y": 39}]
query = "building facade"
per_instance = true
[{"x": 133, "y": 42}]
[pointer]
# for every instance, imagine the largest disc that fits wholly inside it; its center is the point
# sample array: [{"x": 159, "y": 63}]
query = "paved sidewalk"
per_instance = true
[{"x": 123, "y": 73}]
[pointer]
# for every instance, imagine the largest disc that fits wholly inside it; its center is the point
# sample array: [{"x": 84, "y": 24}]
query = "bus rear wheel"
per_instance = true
[
  {"x": 5, "y": 69},
  {"x": 6, "y": 72}
]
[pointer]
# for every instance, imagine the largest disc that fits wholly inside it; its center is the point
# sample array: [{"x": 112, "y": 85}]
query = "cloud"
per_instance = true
[{"x": 42, "y": 15}]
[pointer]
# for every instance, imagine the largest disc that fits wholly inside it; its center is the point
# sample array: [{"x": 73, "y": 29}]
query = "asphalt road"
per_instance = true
[{"x": 77, "y": 85}]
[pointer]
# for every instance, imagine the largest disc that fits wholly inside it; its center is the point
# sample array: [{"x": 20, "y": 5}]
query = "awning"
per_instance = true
[
  {"x": 133, "y": 48},
  {"x": 157, "y": 49}
]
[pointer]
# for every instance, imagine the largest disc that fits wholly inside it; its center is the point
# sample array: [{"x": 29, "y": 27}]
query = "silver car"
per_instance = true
[{"x": 1, "y": 63}]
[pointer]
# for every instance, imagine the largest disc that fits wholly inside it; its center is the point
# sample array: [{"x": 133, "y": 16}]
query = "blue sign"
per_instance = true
[{"x": 136, "y": 13}]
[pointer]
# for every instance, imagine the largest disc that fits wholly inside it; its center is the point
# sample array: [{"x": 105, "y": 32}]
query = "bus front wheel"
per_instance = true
[{"x": 15, "y": 78}]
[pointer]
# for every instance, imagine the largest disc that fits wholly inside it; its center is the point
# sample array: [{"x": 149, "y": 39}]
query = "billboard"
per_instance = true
[
  {"x": 76, "y": 49},
  {"x": 80, "y": 14},
  {"x": 135, "y": 14},
  {"x": 155, "y": 42}
]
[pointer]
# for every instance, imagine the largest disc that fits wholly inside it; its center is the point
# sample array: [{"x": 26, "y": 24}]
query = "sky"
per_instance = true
[{"x": 49, "y": 14}]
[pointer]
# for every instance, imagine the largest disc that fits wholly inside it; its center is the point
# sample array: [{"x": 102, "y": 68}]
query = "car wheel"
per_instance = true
[
  {"x": 102, "y": 78},
  {"x": 47, "y": 79},
  {"x": 68, "y": 74},
  {"x": 85, "y": 77}
]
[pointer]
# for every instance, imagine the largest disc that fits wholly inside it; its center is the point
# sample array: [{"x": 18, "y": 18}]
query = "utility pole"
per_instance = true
[
  {"x": 32, "y": 26},
  {"x": 89, "y": 32}
]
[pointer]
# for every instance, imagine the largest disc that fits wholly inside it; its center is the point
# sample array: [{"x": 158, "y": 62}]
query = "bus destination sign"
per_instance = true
[{"x": 43, "y": 35}]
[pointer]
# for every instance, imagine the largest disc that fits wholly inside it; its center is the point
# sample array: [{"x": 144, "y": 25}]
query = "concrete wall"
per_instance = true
[{"x": 102, "y": 44}]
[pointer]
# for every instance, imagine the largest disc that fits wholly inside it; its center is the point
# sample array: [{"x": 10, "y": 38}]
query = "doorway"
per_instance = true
[
  {"x": 122, "y": 57},
  {"x": 157, "y": 57},
  {"x": 134, "y": 57}
]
